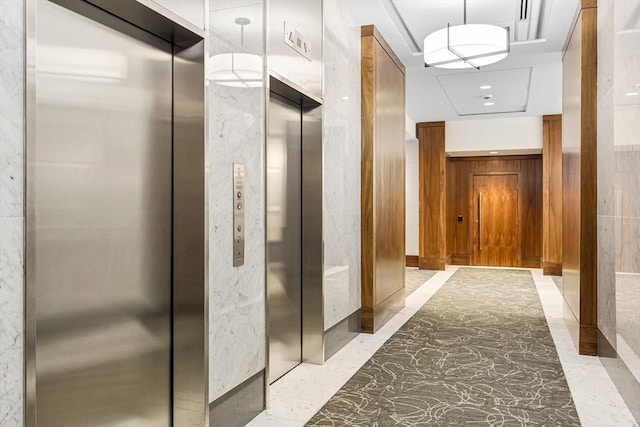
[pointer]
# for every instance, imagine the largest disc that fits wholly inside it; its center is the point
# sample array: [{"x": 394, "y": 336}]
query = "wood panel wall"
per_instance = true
[
  {"x": 431, "y": 196},
  {"x": 552, "y": 195},
  {"x": 579, "y": 179},
  {"x": 383, "y": 181},
  {"x": 460, "y": 172}
]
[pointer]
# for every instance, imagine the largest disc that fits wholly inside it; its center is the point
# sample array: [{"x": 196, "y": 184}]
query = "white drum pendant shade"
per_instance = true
[{"x": 466, "y": 46}]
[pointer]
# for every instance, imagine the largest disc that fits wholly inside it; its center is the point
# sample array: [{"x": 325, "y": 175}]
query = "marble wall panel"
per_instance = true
[
  {"x": 236, "y": 134},
  {"x": 11, "y": 107},
  {"x": 190, "y": 10},
  {"x": 606, "y": 158},
  {"x": 341, "y": 140},
  {"x": 619, "y": 190},
  {"x": 11, "y": 210}
]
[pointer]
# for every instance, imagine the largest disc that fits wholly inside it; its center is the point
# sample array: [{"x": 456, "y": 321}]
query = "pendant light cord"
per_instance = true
[{"x": 465, "y": 12}]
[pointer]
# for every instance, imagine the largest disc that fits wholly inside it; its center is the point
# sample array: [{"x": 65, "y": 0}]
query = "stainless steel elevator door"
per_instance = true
[
  {"x": 102, "y": 223},
  {"x": 284, "y": 240}
]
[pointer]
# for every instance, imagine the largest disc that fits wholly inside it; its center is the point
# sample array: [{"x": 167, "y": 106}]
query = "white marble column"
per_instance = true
[
  {"x": 341, "y": 143},
  {"x": 236, "y": 134},
  {"x": 11, "y": 210}
]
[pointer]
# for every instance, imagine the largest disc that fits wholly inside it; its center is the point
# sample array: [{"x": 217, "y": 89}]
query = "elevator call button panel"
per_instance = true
[{"x": 238, "y": 215}]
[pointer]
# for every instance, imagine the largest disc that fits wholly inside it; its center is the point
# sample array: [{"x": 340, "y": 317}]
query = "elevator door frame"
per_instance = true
[
  {"x": 190, "y": 399},
  {"x": 312, "y": 227}
]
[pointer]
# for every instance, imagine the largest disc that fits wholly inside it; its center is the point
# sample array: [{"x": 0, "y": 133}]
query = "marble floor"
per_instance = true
[
  {"x": 295, "y": 398},
  {"x": 414, "y": 278}
]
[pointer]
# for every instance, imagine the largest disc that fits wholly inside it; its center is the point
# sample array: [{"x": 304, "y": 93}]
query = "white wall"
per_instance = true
[
  {"x": 409, "y": 128},
  {"x": 341, "y": 143},
  {"x": 519, "y": 135},
  {"x": 411, "y": 171}
]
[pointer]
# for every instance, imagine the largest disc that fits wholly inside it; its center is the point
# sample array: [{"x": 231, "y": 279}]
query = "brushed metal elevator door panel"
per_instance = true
[
  {"x": 102, "y": 224},
  {"x": 284, "y": 239}
]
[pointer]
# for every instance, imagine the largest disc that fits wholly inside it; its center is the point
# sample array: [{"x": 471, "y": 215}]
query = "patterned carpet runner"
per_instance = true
[{"x": 478, "y": 353}]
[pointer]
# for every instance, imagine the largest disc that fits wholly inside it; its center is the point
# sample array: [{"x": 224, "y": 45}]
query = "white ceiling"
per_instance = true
[{"x": 527, "y": 83}]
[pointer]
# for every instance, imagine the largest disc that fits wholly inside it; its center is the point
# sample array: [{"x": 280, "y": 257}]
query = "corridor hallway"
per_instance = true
[{"x": 473, "y": 347}]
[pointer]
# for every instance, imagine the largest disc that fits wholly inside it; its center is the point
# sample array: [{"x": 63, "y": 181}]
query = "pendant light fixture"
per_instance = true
[
  {"x": 236, "y": 69},
  {"x": 466, "y": 46}
]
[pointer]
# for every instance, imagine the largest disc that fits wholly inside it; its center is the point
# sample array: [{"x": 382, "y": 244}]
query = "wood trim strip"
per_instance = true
[
  {"x": 589, "y": 173},
  {"x": 489, "y": 158},
  {"x": 429, "y": 125},
  {"x": 552, "y": 195},
  {"x": 372, "y": 31},
  {"x": 367, "y": 71}
]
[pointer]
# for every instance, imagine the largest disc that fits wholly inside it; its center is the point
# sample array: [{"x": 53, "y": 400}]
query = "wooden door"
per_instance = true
[{"x": 495, "y": 235}]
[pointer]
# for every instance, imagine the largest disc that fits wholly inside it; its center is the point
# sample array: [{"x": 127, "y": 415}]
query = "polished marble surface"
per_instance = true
[
  {"x": 619, "y": 191},
  {"x": 414, "y": 278},
  {"x": 11, "y": 210},
  {"x": 596, "y": 399},
  {"x": 341, "y": 144},
  {"x": 236, "y": 134}
]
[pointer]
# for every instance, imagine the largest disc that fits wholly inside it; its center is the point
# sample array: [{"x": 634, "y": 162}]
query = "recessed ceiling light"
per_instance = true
[
  {"x": 489, "y": 104},
  {"x": 345, "y": 98},
  {"x": 485, "y": 87},
  {"x": 493, "y": 152},
  {"x": 632, "y": 93}
]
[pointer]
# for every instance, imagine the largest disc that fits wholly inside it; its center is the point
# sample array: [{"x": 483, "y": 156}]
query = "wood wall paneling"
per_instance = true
[
  {"x": 531, "y": 215},
  {"x": 389, "y": 176},
  {"x": 459, "y": 195},
  {"x": 383, "y": 181},
  {"x": 552, "y": 195},
  {"x": 579, "y": 177},
  {"x": 495, "y": 227},
  {"x": 431, "y": 196},
  {"x": 451, "y": 213},
  {"x": 461, "y": 201}
]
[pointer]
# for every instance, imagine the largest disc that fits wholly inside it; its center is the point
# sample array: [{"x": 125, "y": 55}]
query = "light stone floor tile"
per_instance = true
[
  {"x": 297, "y": 396},
  {"x": 596, "y": 398}
]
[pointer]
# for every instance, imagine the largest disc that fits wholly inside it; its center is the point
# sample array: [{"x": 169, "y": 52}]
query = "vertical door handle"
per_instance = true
[{"x": 480, "y": 220}]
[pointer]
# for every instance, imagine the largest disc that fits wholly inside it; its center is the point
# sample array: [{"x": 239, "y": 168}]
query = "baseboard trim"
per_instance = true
[
  {"x": 460, "y": 259},
  {"x": 431, "y": 263},
  {"x": 531, "y": 262},
  {"x": 340, "y": 334},
  {"x": 588, "y": 340},
  {"x": 239, "y": 406},
  {"x": 373, "y": 318},
  {"x": 552, "y": 268},
  {"x": 411, "y": 260}
]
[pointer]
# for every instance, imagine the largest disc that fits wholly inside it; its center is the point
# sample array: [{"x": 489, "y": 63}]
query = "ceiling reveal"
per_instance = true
[{"x": 468, "y": 94}]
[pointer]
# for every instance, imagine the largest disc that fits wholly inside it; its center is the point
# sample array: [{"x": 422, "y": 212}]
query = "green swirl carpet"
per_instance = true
[{"x": 478, "y": 353}]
